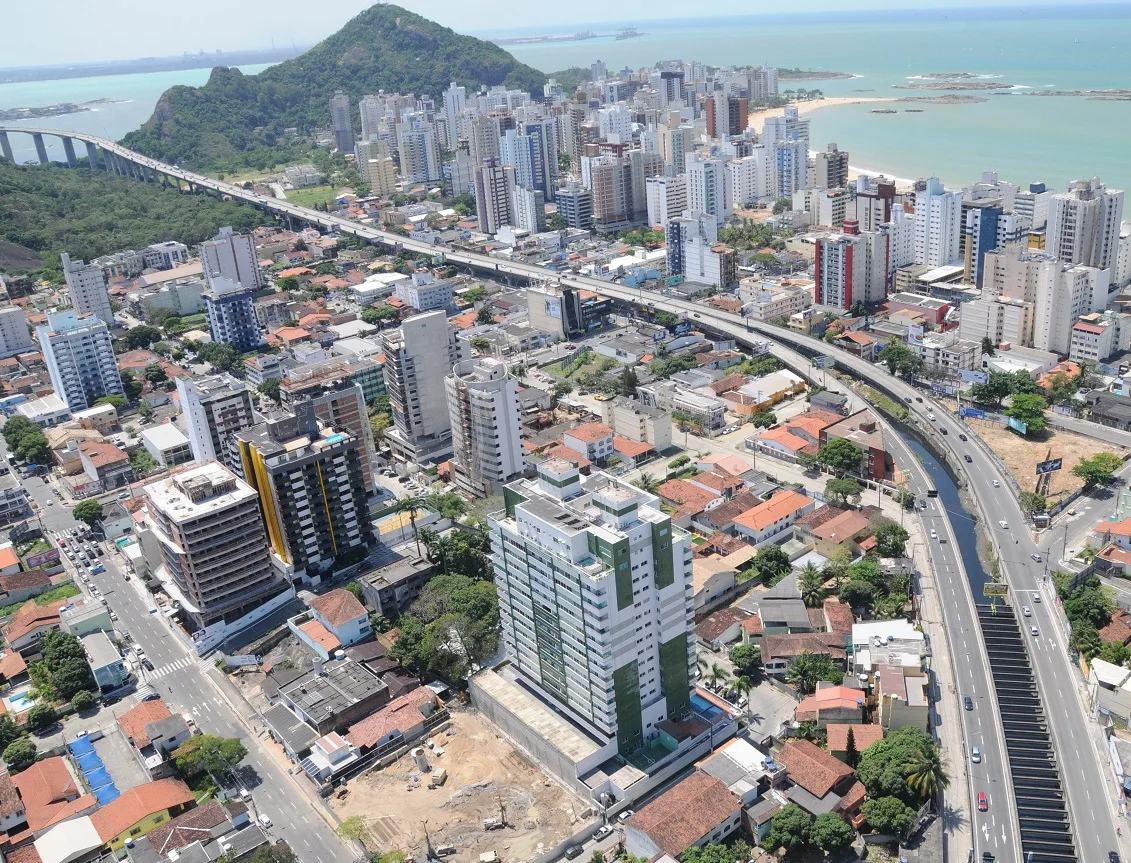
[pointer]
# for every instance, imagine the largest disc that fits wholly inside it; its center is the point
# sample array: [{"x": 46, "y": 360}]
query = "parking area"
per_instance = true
[
  {"x": 119, "y": 759},
  {"x": 769, "y": 708}
]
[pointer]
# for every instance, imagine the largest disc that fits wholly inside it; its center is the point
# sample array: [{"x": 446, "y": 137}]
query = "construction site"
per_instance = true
[{"x": 465, "y": 792}]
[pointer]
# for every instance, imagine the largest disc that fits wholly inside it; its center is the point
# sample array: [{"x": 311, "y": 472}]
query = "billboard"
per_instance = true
[
  {"x": 824, "y": 362},
  {"x": 34, "y": 561},
  {"x": 915, "y": 330},
  {"x": 1017, "y": 425},
  {"x": 241, "y": 660},
  {"x": 1049, "y": 466},
  {"x": 681, "y": 328},
  {"x": 672, "y": 281},
  {"x": 995, "y": 588},
  {"x": 969, "y": 376},
  {"x": 942, "y": 389},
  {"x": 972, "y": 413},
  {"x": 659, "y": 335}
]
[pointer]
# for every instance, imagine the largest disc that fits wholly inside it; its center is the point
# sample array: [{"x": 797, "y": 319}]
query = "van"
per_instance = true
[{"x": 264, "y": 821}]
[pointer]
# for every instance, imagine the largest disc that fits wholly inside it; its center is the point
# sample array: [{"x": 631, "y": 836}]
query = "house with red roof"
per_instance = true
[
  {"x": 771, "y": 517},
  {"x": 819, "y": 782},
  {"x": 831, "y": 704},
  {"x": 343, "y": 616},
  {"x": 698, "y": 810}
]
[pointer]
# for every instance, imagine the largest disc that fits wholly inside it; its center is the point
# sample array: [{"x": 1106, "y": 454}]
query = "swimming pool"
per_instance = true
[
  {"x": 19, "y": 702},
  {"x": 704, "y": 707}
]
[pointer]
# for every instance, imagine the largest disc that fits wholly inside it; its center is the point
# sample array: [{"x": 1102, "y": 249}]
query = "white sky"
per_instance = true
[{"x": 81, "y": 31}]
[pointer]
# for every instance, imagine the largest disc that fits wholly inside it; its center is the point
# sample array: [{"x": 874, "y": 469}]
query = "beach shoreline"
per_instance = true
[{"x": 758, "y": 118}]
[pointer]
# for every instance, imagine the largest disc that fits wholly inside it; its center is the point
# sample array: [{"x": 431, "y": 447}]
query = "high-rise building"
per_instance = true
[
  {"x": 231, "y": 256},
  {"x": 455, "y": 99},
  {"x": 620, "y": 196},
  {"x": 80, "y": 358},
  {"x": 380, "y": 174},
  {"x": 494, "y": 196},
  {"x": 615, "y": 123},
  {"x": 695, "y": 253},
  {"x": 900, "y": 230},
  {"x": 1083, "y": 224},
  {"x": 751, "y": 178},
  {"x": 339, "y": 402},
  {"x": 669, "y": 87},
  {"x": 419, "y": 150},
  {"x": 215, "y": 408},
  {"x": 791, "y": 167},
  {"x": 676, "y": 144},
  {"x": 1034, "y": 204},
  {"x": 667, "y": 198},
  {"x": 230, "y": 308},
  {"x": 575, "y": 205},
  {"x": 787, "y": 126},
  {"x": 459, "y": 174},
  {"x": 831, "y": 168},
  {"x": 214, "y": 555},
  {"x": 418, "y": 356},
  {"x": 708, "y": 190},
  {"x": 873, "y": 202},
  {"x": 309, "y": 481},
  {"x": 851, "y": 267},
  {"x": 595, "y": 602},
  {"x": 486, "y": 427},
  {"x": 985, "y": 227},
  {"x": 341, "y": 123},
  {"x": 15, "y": 338},
  {"x": 529, "y": 210},
  {"x": 726, "y": 115},
  {"x": 938, "y": 225},
  {"x": 483, "y": 134},
  {"x": 371, "y": 111},
  {"x": 86, "y": 285},
  {"x": 763, "y": 84}
]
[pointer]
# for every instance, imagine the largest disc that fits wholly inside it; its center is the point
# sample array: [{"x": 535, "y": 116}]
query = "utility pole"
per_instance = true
[{"x": 502, "y": 808}]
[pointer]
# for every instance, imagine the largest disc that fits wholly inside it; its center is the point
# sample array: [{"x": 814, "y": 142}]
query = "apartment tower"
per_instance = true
[{"x": 486, "y": 427}]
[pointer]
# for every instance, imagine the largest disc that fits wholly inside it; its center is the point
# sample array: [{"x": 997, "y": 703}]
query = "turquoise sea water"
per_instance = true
[{"x": 1024, "y": 138}]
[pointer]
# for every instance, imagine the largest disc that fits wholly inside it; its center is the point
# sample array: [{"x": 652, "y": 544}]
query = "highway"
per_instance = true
[{"x": 1090, "y": 790}]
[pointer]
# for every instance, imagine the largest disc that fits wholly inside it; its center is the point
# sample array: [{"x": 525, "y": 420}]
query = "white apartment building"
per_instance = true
[
  {"x": 214, "y": 409},
  {"x": 419, "y": 150},
  {"x": 486, "y": 426},
  {"x": 418, "y": 356},
  {"x": 791, "y": 167},
  {"x": 694, "y": 252},
  {"x": 1084, "y": 224},
  {"x": 667, "y": 198},
  {"x": 768, "y": 301},
  {"x": 938, "y": 225},
  {"x": 1034, "y": 204},
  {"x": 900, "y": 230},
  {"x": 708, "y": 190},
  {"x": 459, "y": 174},
  {"x": 1097, "y": 336},
  {"x": 494, "y": 196},
  {"x": 1122, "y": 275},
  {"x": 947, "y": 353},
  {"x": 424, "y": 293},
  {"x": 15, "y": 338},
  {"x": 638, "y": 422},
  {"x": 596, "y": 605},
  {"x": 615, "y": 123},
  {"x": 826, "y": 207},
  {"x": 231, "y": 256},
  {"x": 455, "y": 99},
  {"x": 86, "y": 286},
  {"x": 80, "y": 358},
  {"x": 372, "y": 112},
  {"x": 787, "y": 126},
  {"x": 529, "y": 210},
  {"x": 676, "y": 144},
  {"x": 752, "y": 177},
  {"x": 1000, "y": 319}
]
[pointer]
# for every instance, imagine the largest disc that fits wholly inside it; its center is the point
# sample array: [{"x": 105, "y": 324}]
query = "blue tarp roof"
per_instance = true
[
  {"x": 98, "y": 778},
  {"x": 90, "y": 761},
  {"x": 80, "y": 746},
  {"x": 105, "y": 795}
]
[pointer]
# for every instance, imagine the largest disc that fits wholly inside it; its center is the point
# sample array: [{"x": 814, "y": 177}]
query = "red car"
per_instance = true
[{"x": 983, "y": 801}]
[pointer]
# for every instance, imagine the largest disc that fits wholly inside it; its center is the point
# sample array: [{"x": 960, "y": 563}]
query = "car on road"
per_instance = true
[
  {"x": 113, "y": 616},
  {"x": 1112, "y": 857},
  {"x": 931, "y": 417},
  {"x": 1033, "y": 631},
  {"x": 968, "y": 459},
  {"x": 1026, "y": 611},
  {"x": 1036, "y": 597},
  {"x": 148, "y": 663},
  {"x": 573, "y": 851},
  {"x": 962, "y": 437},
  {"x": 153, "y": 696},
  {"x": 976, "y": 755},
  {"x": 51, "y": 503},
  {"x": 624, "y": 816},
  {"x": 907, "y": 399},
  {"x": 1035, "y": 557},
  {"x": 997, "y": 484},
  {"x": 968, "y": 703},
  {"x": 983, "y": 801},
  {"x": 604, "y": 830},
  {"x": 1003, "y": 524},
  {"x": 918, "y": 398},
  {"x": 943, "y": 431},
  {"x": 934, "y": 534}
]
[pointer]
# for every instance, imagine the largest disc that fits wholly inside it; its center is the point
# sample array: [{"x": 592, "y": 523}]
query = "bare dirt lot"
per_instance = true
[
  {"x": 483, "y": 769},
  {"x": 1022, "y": 454}
]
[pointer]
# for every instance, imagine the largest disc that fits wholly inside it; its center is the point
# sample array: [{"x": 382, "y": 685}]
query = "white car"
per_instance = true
[
  {"x": 1004, "y": 525},
  {"x": 997, "y": 484},
  {"x": 1025, "y": 610},
  {"x": 1033, "y": 631},
  {"x": 264, "y": 821},
  {"x": 934, "y": 535}
]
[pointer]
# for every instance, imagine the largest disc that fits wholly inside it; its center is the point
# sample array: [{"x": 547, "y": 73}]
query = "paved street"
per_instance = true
[{"x": 182, "y": 680}]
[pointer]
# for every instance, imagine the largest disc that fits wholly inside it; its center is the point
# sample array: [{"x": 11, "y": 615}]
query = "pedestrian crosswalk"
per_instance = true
[{"x": 176, "y": 665}]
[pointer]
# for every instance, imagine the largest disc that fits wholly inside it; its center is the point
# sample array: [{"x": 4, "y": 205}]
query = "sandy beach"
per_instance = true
[{"x": 758, "y": 118}]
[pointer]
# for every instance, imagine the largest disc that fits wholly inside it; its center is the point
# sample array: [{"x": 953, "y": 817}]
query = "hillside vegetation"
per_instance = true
[
  {"x": 240, "y": 119},
  {"x": 50, "y": 208}
]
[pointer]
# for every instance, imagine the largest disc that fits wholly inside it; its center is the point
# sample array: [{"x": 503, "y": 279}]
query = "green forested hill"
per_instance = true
[
  {"x": 50, "y": 209},
  {"x": 234, "y": 116}
]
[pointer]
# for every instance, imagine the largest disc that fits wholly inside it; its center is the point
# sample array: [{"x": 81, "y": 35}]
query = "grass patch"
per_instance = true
[
  {"x": 885, "y": 403},
  {"x": 203, "y": 788},
  {"x": 36, "y": 546},
  {"x": 311, "y": 197},
  {"x": 63, "y": 591}
]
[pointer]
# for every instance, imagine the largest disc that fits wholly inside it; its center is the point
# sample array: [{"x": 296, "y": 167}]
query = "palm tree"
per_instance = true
[
  {"x": 811, "y": 586},
  {"x": 411, "y": 505},
  {"x": 717, "y": 675},
  {"x": 927, "y": 775},
  {"x": 647, "y": 482}
]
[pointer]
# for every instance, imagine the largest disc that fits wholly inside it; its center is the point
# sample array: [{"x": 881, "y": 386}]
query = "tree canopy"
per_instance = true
[
  {"x": 64, "y": 669},
  {"x": 901, "y": 360},
  {"x": 1098, "y": 469},
  {"x": 808, "y": 669},
  {"x": 26, "y": 440},
  {"x": 840, "y": 454},
  {"x": 843, "y": 490},
  {"x": 789, "y": 829},
  {"x": 891, "y": 540},
  {"x": 208, "y": 752},
  {"x": 886, "y": 765},
  {"x": 1029, "y": 409},
  {"x": 89, "y": 511}
]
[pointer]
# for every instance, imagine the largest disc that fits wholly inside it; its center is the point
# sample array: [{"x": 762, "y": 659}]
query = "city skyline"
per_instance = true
[{"x": 80, "y": 36}]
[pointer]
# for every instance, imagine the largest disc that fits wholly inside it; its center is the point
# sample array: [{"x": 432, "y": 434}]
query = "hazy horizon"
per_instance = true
[{"x": 79, "y": 34}]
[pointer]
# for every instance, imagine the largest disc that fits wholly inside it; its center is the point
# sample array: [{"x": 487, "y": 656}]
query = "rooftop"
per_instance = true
[
  {"x": 780, "y": 506},
  {"x": 812, "y": 768},
  {"x": 862, "y": 735},
  {"x": 398, "y": 715},
  {"x": 134, "y": 721},
  {"x": 686, "y": 812},
  {"x": 337, "y": 607},
  {"x": 122, "y": 813}
]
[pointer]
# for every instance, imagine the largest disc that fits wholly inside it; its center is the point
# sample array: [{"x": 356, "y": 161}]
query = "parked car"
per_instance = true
[
  {"x": 601, "y": 832},
  {"x": 573, "y": 851},
  {"x": 624, "y": 816}
]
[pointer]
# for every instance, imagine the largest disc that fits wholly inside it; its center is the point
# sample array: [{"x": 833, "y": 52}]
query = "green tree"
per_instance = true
[
  {"x": 9, "y": 731},
  {"x": 927, "y": 774},
  {"x": 830, "y": 832},
  {"x": 746, "y": 658},
  {"x": 717, "y": 675},
  {"x": 353, "y": 828},
  {"x": 208, "y": 752},
  {"x": 1089, "y": 603},
  {"x": 41, "y": 716},
  {"x": 484, "y": 316},
  {"x": 841, "y": 455},
  {"x": 223, "y": 357},
  {"x": 378, "y": 314},
  {"x": 1098, "y": 469},
  {"x": 627, "y": 383},
  {"x": 885, "y": 765},
  {"x": 20, "y": 755},
  {"x": 1030, "y": 501},
  {"x": 812, "y": 586},
  {"x": 988, "y": 349},
  {"x": 143, "y": 463},
  {"x": 837, "y": 567},
  {"x": 480, "y": 345},
  {"x": 771, "y": 563},
  {"x": 764, "y": 419},
  {"x": 782, "y": 205},
  {"x": 450, "y": 628},
  {"x": 647, "y": 482},
  {"x": 597, "y": 856},
  {"x": 808, "y": 669},
  {"x": 905, "y": 498},
  {"x": 996, "y": 388},
  {"x": 140, "y": 337},
  {"x": 891, "y": 540},
  {"x": 556, "y": 221},
  {"x": 1085, "y": 639},
  {"x": 789, "y": 829},
  {"x": 84, "y": 699},
  {"x": 851, "y": 753},
  {"x": 1114, "y": 652},
  {"x": 132, "y": 388},
  {"x": 901, "y": 360},
  {"x": 888, "y": 815},
  {"x": 155, "y": 374},
  {"x": 1029, "y": 409},
  {"x": 842, "y": 490},
  {"x": 270, "y": 388},
  {"x": 118, "y": 402},
  {"x": 89, "y": 511}
]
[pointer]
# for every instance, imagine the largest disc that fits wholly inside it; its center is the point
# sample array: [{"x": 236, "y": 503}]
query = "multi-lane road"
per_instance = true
[
  {"x": 1090, "y": 793},
  {"x": 183, "y": 681}
]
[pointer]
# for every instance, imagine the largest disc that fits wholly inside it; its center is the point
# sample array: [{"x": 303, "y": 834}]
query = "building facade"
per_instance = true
[
  {"x": 80, "y": 358},
  {"x": 215, "y": 408},
  {"x": 231, "y": 256},
  {"x": 231, "y": 315},
  {"x": 1083, "y": 224},
  {"x": 86, "y": 285},
  {"x": 486, "y": 428}
]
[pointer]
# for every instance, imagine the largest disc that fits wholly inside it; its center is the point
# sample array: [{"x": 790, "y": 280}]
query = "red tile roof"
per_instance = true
[
  {"x": 10, "y": 802},
  {"x": 839, "y": 616},
  {"x": 719, "y": 622},
  {"x": 400, "y": 714},
  {"x": 338, "y": 606},
  {"x": 718, "y": 480},
  {"x": 31, "y": 616},
  {"x": 680, "y": 491},
  {"x": 685, "y": 813},
  {"x": 632, "y": 449},
  {"x": 812, "y": 768},
  {"x": 320, "y": 635},
  {"x": 134, "y": 720},
  {"x": 590, "y": 432},
  {"x": 828, "y": 698},
  {"x": 1119, "y": 629},
  {"x": 119, "y": 815},
  {"x": 781, "y": 505},
  {"x": 11, "y": 665},
  {"x": 102, "y": 454},
  {"x": 862, "y": 735},
  {"x": 192, "y": 826},
  {"x": 50, "y": 794}
]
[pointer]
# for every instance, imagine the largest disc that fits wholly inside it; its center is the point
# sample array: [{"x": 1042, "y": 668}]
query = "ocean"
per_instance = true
[{"x": 1025, "y": 139}]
